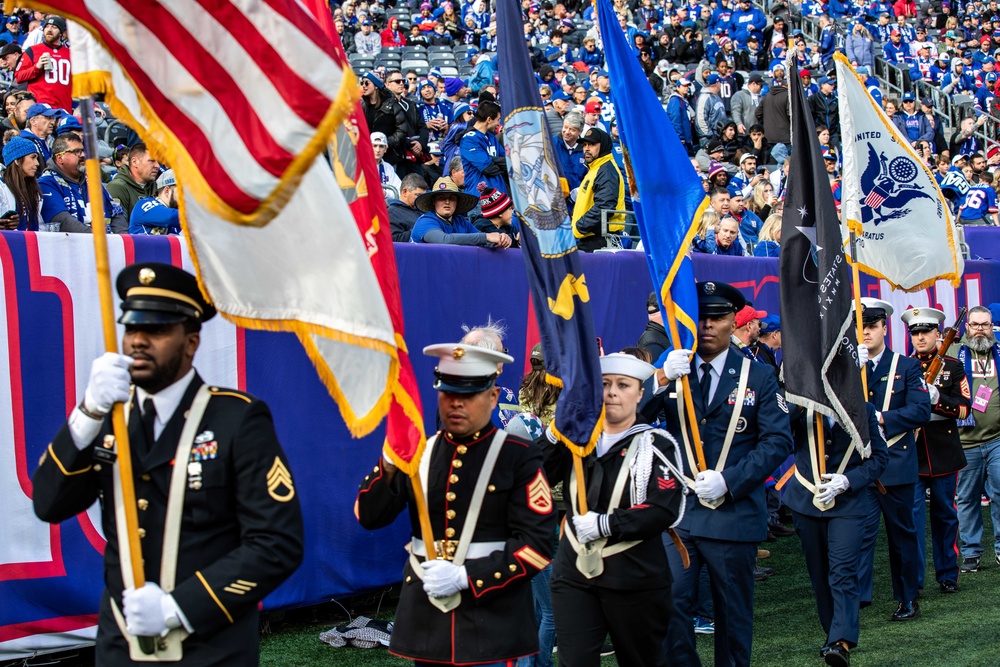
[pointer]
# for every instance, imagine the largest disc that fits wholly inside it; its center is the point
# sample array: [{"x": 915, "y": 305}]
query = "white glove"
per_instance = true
[
  {"x": 710, "y": 485},
  {"x": 591, "y": 526},
  {"x": 834, "y": 485},
  {"x": 109, "y": 382},
  {"x": 935, "y": 394},
  {"x": 677, "y": 363},
  {"x": 443, "y": 578},
  {"x": 862, "y": 355},
  {"x": 149, "y": 612}
]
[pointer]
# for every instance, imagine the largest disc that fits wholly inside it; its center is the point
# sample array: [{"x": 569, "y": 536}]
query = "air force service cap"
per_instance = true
[
  {"x": 873, "y": 310},
  {"x": 717, "y": 299},
  {"x": 155, "y": 293},
  {"x": 922, "y": 319},
  {"x": 465, "y": 369}
]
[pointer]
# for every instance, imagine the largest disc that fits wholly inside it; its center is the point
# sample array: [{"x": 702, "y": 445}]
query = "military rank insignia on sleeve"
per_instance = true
[
  {"x": 540, "y": 495},
  {"x": 279, "y": 482}
]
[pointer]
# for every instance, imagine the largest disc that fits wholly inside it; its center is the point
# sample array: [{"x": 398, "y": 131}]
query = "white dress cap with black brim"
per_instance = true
[
  {"x": 922, "y": 319},
  {"x": 620, "y": 363},
  {"x": 465, "y": 369},
  {"x": 874, "y": 310}
]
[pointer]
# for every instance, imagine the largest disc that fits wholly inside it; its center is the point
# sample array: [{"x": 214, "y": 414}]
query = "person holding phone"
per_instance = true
[{"x": 20, "y": 197}]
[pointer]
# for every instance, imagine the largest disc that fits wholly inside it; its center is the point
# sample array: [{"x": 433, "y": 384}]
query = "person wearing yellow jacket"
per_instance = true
[{"x": 603, "y": 188}]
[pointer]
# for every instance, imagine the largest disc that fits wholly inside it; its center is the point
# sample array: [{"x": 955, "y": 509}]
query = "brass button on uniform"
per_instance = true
[
  {"x": 457, "y": 463},
  {"x": 479, "y": 583},
  {"x": 409, "y": 578},
  {"x": 462, "y": 449},
  {"x": 704, "y": 421},
  {"x": 491, "y": 488},
  {"x": 142, "y": 532},
  {"x": 376, "y": 469},
  {"x": 143, "y": 504},
  {"x": 97, "y": 467},
  {"x": 453, "y": 478},
  {"x": 449, "y": 532},
  {"x": 496, "y": 575},
  {"x": 450, "y": 514},
  {"x": 146, "y": 478},
  {"x": 512, "y": 567},
  {"x": 450, "y": 496}
]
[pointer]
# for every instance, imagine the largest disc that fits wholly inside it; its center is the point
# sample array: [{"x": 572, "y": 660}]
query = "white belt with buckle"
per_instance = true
[{"x": 476, "y": 549}]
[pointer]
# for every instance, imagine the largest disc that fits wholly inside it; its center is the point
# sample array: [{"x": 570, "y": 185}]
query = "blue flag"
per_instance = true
[
  {"x": 667, "y": 193},
  {"x": 558, "y": 285}
]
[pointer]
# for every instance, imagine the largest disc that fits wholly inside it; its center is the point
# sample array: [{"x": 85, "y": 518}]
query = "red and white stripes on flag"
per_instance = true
[{"x": 239, "y": 98}]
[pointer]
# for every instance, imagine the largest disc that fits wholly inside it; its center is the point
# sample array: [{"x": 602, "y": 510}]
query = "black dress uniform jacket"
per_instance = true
[
  {"x": 939, "y": 446},
  {"x": 495, "y": 620},
  {"x": 909, "y": 409},
  {"x": 645, "y": 565},
  {"x": 238, "y": 539}
]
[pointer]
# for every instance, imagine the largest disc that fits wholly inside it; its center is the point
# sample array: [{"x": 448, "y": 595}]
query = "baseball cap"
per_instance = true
[
  {"x": 927, "y": 102},
  {"x": 755, "y": 78},
  {"x": 40, "y": 109},
  {"x": 682, "y": 82},
  {"x": 748, "y": 313},
  {"x": 663, "y": 66},
  {"x": 379, "y": 139},
  {"x": 908, "y": 96},
  {"x": 593, "y": 105},
  {"x": 166, "y": 179},
  {"x": 593, "y": 136},
  {"x": 712, "y": 79},
  {"x": 747, "y": 156},
  {"x": 9, "y": 49}
]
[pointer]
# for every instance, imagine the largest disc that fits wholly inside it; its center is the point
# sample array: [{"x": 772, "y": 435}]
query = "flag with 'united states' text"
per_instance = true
[
  {"x": 241, "y": 114},
  {"x": 558, "y": 285}
]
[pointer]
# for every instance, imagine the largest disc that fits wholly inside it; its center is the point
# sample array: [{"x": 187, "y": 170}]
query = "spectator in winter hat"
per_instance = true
[{"x": 498, "y": 213}]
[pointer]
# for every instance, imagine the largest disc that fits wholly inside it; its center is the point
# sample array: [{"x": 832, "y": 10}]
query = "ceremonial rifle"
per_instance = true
[{"x": 949, "y": 338}]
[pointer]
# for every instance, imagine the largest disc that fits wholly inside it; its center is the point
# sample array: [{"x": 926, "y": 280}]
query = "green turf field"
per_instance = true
[{"x": 958, "y": 630}]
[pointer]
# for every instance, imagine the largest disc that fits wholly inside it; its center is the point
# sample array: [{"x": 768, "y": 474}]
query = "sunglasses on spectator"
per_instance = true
[{"x": 400, "y": 80}]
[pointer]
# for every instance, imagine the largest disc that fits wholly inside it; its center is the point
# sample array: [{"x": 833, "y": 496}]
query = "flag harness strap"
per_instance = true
[
  {"x": 890, "y": 382},
  {"x": 169, "y": 648},
  {"x": 451, "y": 602},
  {"x": 590, "y": 557},
  {"x": 730, "y": 431},
  {"x": 814, "y": 462}
]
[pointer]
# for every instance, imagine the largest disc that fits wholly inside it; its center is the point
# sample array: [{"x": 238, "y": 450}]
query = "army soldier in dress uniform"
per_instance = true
[
  {"x": 744, "y": 428},
  {"x": 219, "y": 530},
  {"x": 491, "y": 512},
  {"x": 611, "y": 571},
  {"x": 939, "y": 449},
  {"x": 896, "y": 389},
  {"x": 831, "y": 532}
]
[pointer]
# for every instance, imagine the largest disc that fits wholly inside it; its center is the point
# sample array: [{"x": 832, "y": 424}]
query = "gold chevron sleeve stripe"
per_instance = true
[
  {"x": 532, "y": 557},
  {"x": 251, "y": 584},
  {"x": 234, "y": 591},
  {"x": 215, "y": 597}
]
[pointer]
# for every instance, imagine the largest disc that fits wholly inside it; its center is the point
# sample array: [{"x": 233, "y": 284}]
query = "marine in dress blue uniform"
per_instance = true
[
  {"x": 939, "y": 449},
  {"x": 758, "y": 439},
  {"x": 234, "y": 516},
  {"x": 831, "y": 532},
  {"x": 896, "y": 389},
  {"x": 487, "y": 555}
]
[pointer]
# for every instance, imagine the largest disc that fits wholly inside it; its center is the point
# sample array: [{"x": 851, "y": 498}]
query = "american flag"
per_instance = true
[{"x": 242, "y": 95}]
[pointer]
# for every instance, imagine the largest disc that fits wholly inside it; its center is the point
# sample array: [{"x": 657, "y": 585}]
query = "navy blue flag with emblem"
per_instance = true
[
  {"x": 818, "y": 341},
  {"x": 668, "y": 202},
  {"x": 558, "y": 285}
]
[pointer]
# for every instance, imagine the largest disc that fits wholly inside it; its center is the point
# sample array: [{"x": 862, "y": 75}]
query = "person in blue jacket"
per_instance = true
[
  {"x": 158, "y": 215},
  {"x": 917, "y": 127},
  {"x": 677, "y": 111},
  {"x": 569, "y": 150},
  {"x": 65, "y": 198},
  {"x": 481, "y": 151},
  {"x": 444, "y": 207},
  {"x": 831, "y": 532},
  {"x": 897, "y": 391},
  {"x": 896, "y": 51},
  {"x": 827, "y": 41},
  {"x": 726, "y": 515},
  {"x": 744, "y": 21}
]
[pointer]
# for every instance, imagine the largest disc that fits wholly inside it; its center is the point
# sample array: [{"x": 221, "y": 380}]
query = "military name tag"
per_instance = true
[{"x": 105, "y": 455}]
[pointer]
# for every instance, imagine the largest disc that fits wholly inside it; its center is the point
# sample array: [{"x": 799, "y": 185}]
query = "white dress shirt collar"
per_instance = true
[{"x": 165, "y": 401}]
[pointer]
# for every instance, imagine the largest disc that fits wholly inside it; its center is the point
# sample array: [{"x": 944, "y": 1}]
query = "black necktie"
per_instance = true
[
  {"x": 871, "y": 369},
  {"x": 706, "y": 382},
  {"x": 148, "y": 418}
]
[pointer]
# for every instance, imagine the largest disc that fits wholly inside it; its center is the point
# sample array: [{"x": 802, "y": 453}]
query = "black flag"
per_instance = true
[{"x": 818, "y": 341}]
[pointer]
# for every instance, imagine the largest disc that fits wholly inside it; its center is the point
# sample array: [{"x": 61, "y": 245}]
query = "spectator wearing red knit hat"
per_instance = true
[{"x": 498, "y": 214}]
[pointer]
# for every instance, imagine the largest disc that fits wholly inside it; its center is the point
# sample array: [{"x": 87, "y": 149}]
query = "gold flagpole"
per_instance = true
[
  {"x": 96, "y": 195},
  {"x": 860, "y": 327},
  {"x": 668, "y": 305}
]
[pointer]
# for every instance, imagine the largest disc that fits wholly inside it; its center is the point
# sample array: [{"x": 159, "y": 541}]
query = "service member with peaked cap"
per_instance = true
[
  {"x": 744, "y": 428},
  {"x": 939, "y": 449},
  {"x": 492, "y": 515},
  {"x": 219, "y": 530},
  {"x": 611, "y": 572},
  {"x": 830, "y": 512},
  {"x": 896, "y": 389}
]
